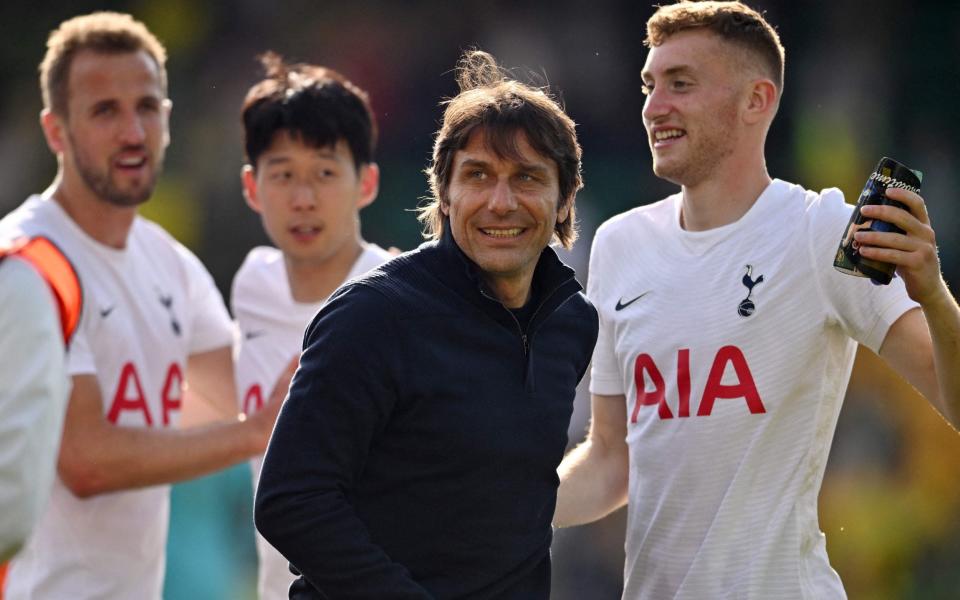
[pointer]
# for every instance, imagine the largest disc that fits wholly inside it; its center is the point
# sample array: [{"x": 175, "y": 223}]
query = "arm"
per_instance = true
[
  {"x": 593, "y": 477},
  {"x": 33, "y": 393},
  {"x": 210, "y": 394},
  {"x": 97, "y": 456},
  {"x": 341, "y": 399},
  {"x": 922, "y": 345}
]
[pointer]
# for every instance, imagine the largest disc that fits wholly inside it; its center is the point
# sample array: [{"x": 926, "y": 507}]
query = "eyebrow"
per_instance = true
[
  {"x": 283, "y": 158},
  {"x": 677, "y": 70},
  {"x": 524, "y": 167}
]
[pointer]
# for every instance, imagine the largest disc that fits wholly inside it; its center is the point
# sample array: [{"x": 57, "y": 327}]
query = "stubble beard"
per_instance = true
[
  {"x": 706, "y": 154},
  {"x": 103, "y": 186}
]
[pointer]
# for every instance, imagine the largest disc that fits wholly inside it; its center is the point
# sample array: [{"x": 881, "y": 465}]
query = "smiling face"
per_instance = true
[
  {"x": 503, "y": 212},
  {"x": 692, "y": 111},
  {"x": 309, "y": 198},
  {"x": 114, "y": 135}
]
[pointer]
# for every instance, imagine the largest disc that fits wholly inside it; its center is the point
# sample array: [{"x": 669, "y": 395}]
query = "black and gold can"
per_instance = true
[{"x": 889, "y": 173}]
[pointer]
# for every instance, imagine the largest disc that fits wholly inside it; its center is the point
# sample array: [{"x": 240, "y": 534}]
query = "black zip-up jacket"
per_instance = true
[{"x": 415, "y": 456}]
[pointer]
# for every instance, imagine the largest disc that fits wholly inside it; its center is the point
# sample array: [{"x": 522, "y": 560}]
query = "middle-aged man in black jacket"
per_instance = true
[{"x": 415, "y": 456}]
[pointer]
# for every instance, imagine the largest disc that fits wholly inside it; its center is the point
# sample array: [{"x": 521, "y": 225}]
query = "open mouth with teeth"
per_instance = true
[
  {"x": 665, "y": 136},
  {"x": 501, "y": 233},
  {"x": 131, "y": 162},
  {"x": 305, "y": 233}
]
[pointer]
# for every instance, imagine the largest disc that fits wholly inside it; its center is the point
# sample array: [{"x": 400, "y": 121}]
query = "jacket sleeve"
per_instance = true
[{"x": 340, "y": 399}]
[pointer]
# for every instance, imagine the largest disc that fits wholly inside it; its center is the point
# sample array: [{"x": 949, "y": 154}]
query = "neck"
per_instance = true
[
  {"x": 512, "y": 292},
  {"x": 725, "y": 196},
  {"x": 312, "y": 282},
  {"x": 107, "y": 223}
]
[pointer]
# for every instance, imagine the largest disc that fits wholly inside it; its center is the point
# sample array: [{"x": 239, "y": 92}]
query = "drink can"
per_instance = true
[{"x": 889, "y": 173}]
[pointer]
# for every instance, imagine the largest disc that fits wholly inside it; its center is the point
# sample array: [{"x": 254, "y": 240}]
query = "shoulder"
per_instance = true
[
  {"x": 828, "y": 203},
  {"x": 374, "y": 255},
  {"x": 402, "y": 275},
  {"x": 580, "y": 308},
  {"x": 32, "y": 217},
  {"x": 355, "y": 311},
  {"x": 649, "y": 217},
  {"x": 156, "y": 244},
  {"x": 260, "y": 268}
]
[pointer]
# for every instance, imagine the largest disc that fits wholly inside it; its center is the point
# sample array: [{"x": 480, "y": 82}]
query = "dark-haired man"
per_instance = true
[
  {"x": 416, "y": 454},
  {"x": 727, "y": 337},
  {"x": 309, "y": 136}
]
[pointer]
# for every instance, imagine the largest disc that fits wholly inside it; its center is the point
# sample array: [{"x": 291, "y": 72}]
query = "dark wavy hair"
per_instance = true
[{"x": 501, "y": 106}]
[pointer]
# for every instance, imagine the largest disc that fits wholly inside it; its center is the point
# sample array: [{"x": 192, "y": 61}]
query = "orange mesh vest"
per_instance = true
[{"x": 59, "y": 274}]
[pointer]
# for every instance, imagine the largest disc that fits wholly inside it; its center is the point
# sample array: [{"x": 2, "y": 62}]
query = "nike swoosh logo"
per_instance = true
[
  {"x": 622, "y": 305},
  {"x": 105, "y": 312},
  {"x": 253, "y": 334}
]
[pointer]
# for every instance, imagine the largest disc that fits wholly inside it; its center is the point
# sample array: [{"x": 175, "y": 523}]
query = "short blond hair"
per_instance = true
[
  {"x": 735, "y": 22},
  {"x": 103, "y": 32}
]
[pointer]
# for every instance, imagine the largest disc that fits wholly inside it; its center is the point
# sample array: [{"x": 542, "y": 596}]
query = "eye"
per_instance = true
[
  {"x": 281, "y": 176},
  {"x": 103, "y": 110},
  {"x": 680, "y": 85},
  {"x": 477, "y": 174}
]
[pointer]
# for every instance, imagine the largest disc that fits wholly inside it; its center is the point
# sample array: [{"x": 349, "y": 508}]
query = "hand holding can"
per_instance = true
[{"x": 888, "y": 173}]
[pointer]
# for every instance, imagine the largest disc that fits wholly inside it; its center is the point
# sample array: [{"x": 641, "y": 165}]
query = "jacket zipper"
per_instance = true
[{"x": 523, "y": 334}]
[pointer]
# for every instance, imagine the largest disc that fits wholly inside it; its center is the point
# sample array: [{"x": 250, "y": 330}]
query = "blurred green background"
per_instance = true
[{"x": 863, "y": 81}]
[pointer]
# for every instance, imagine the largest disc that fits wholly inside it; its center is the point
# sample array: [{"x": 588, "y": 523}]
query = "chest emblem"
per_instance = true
[
  {"x": 747, "y": 306},
  {"x": 167, "y": 301}
]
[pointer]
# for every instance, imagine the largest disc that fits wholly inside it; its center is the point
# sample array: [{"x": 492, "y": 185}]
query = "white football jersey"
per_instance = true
[
  {"x": 146, "y": 308},
  {"x": 271, "y": 327},
  {"x": 733, "y": 347}
]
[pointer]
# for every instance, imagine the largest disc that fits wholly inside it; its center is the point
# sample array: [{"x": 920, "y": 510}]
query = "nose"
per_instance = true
[
  {"x": 132, "y": 132},
  {"x": 502, "y": 200},
  {"x": 655, "y": 106},
  {"x": 304, "y": 197}
]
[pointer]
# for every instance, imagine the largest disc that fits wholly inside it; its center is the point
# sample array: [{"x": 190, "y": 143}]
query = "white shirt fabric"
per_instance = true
[
  {"x": 33, "y": 397},
  {"x": 723, "y": 485},
  {"x": 271, "y": 327},
  {"x": 146, "y": 308}
]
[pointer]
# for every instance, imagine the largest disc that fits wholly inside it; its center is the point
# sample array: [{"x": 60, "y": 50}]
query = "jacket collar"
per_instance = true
[{"x": 553, "y": 281}]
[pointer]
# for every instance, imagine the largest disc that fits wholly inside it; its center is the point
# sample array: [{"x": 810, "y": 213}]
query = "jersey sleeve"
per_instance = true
[
  {"x": 863, "y": 310},
  {"x": 605, "y": 372},
  {"x": 211, "y": 326}
]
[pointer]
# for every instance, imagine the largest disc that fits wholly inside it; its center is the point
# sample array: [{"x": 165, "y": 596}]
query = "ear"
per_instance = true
[
  {"x": 369, "y": 184},
  {"x": 563, "y": 212},
  {"x": 249, "y": 180},
  {"x": 761, "y": 101},
  {"x": 54, "y": 130},
  {"x": 166, "y": 107}
]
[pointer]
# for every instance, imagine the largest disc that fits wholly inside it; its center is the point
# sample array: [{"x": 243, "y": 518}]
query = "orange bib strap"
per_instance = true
[{"x": 59, "y": 274}]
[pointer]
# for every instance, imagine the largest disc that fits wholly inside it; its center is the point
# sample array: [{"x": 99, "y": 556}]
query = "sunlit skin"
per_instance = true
[
  {"x": 308, "y": 199},
  {"x": 503, "y": 213},
  {"x": 706, "y": 117},
  {"x": 110, "y": 144}
]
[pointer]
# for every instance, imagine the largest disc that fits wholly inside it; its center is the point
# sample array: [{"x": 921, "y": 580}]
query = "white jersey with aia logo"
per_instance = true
[
  {"x": 733, "y": 347},
  {"x": 146, "y": 308},
  {"x": 271, "y": 325}
]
